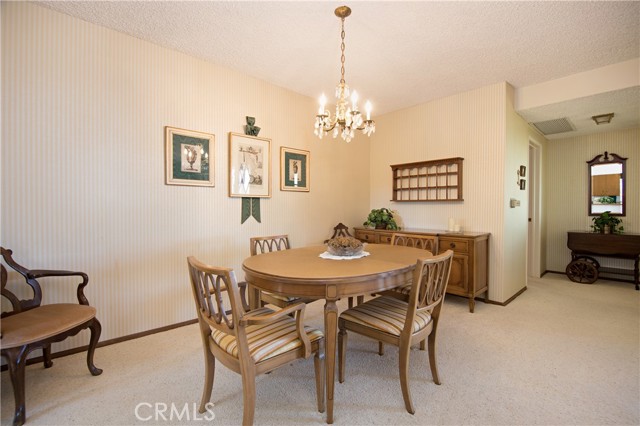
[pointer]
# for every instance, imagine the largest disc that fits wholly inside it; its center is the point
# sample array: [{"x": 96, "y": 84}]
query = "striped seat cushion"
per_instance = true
[
  {"x": 386, "y": 314},
  {"x": 404, "y": 290},
  {"x": 266, "y": 340}
]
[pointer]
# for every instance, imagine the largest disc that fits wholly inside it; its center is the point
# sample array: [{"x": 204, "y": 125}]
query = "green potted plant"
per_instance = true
[
  {"x": 381, "y": 219},
  {"x": 607, "y": 224}
]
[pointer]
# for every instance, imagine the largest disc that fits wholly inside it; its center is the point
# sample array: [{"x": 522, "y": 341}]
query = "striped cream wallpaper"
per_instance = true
[
  {"x": 82, "y": 166},
  {"x": 568, "y": 174},
  {"x": 471, "y": 125}
]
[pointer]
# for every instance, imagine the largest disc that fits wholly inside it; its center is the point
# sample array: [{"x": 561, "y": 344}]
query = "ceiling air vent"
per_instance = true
[{"x": 551, "y": 127}]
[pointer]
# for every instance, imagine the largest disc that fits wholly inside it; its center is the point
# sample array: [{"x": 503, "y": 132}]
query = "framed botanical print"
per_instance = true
[
  {"x": 189, "y": 157},
  {"x": 249, "y": 166},
  {"x": 294, "y": 169}
]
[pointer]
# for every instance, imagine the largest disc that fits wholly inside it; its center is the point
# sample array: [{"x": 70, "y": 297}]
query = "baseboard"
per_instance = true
[
  {"x": 79, "y": 349},
  {"x": 607, "y": 277},
  {"x": 506, "y": 302}
]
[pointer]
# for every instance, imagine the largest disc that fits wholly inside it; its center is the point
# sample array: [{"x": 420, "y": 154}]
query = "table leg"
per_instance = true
[{"x": 330, "y": 336}]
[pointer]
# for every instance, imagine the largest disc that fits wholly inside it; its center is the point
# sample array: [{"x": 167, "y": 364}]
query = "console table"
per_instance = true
[
  {"x": 583, "y": 268},
  {"x": 470, "y": 267}
]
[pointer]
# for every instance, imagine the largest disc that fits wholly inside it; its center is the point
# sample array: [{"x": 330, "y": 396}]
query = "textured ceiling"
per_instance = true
[{"x": 398, "y": 54}]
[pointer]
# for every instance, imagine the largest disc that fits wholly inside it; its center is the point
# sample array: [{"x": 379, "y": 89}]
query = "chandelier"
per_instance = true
[{"x": 347, "y": 118}]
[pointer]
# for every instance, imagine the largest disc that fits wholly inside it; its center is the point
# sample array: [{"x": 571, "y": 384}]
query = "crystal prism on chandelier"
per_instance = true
[{"x": 347, "y": 118}]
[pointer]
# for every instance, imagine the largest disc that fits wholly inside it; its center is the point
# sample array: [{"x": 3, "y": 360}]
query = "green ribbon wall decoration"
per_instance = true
[{"x": 250, "y": 205}]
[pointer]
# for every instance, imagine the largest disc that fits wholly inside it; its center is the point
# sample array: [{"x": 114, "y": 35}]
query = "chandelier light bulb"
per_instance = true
[
  {"x": 323, "y": 102},
  {"x": 368, "y": 108},
  {"x": 354, "y": 100}
]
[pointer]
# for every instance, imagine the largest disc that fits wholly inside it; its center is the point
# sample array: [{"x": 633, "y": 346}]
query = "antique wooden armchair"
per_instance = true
[
  {"x": 259, "y": 245},
  {"x": 402, "y": 323},
  {"x": 248, "y": 342},
  {"x": 31, "y": 325}
]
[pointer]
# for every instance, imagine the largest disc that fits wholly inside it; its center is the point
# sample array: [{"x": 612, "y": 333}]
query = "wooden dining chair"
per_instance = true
[
  {"x": 424, "y": 242},
  {"x": 259, "y": 245},
  {"x": 248, "y": 342},
  {"x": 402, "y": 323},
  {"x": 30, "y": 325}
]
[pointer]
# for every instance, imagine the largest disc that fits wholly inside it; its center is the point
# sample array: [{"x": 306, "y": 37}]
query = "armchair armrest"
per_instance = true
[
  {"x": 44, "y": 273},
  {"x": 41, "y": 273},
  {"x": 32, "y": 275},
  {"x": 298, "y": 309},
  {"x": 268, "y": 318}
]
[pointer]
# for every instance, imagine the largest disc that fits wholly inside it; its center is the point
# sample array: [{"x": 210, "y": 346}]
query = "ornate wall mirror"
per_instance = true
[{"x": 607, "y": 184}]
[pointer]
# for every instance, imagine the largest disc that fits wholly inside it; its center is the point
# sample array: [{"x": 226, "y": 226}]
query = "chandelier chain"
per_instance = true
[{"x": 342, "y": 46}]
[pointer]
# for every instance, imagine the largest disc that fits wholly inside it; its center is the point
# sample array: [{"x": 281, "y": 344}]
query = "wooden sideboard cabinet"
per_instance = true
[{"x": 470, "y": 268}]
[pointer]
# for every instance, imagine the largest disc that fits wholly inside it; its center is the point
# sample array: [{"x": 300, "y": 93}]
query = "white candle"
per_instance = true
[
  {"x": 457, "y": 228},
  {"x": 295, "y": 179},
  {"x": 452, "y": 224},
  {"x": 367, "y": 108},
  {"x": 323, "y": 101}
]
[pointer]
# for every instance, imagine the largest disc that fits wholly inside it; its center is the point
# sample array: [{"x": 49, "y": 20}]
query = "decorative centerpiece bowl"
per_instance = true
[{"x": 344, "y": 246}]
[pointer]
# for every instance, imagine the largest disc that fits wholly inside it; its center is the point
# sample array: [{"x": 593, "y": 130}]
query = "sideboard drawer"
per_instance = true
[
  {"x": 385, "y": 239},
  {"x": 367, "y": 236},
  {"x": 457, "y": 245}
]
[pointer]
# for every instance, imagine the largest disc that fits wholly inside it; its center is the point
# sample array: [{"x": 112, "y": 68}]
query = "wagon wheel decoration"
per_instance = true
[
  {"x": 582, "y": 271},
  {"x": 589, "y": 259}
]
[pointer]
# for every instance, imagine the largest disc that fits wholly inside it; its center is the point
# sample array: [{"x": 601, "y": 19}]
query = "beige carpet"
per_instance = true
[{"x": 560, "y": 354}]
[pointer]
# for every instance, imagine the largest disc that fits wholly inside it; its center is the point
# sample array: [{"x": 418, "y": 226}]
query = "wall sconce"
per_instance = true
[
  {"x": 520, "y": 173},
  {"x": 602, "y": 119}
]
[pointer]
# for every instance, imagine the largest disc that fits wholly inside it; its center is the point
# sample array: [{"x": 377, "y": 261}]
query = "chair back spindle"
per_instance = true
[
  {"x": 209, "y": 286},
  {"x": 259, "y": 245},
  {"x": 424, "y": 242},
  {"x": 18, "y": 304},
  {"x": 430, "y": 278}
]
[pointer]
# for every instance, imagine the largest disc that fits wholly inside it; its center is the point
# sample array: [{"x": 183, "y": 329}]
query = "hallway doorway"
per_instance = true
[{"x": 534, "y": 228}]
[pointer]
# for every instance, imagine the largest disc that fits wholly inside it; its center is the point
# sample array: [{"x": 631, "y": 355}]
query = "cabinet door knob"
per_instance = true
[{"x": 452, "y": 245}]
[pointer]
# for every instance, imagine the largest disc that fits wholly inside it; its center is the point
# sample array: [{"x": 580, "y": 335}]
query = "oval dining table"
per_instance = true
[{"x": 302, "y": 272}]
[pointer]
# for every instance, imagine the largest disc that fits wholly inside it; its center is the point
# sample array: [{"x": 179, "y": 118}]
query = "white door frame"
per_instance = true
[{"x": 535, "y": 216}]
